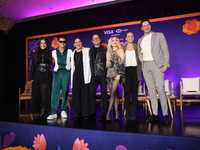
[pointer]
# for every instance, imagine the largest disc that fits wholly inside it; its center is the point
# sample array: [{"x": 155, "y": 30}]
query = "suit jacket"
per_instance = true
[
  {"x": 159, "y": 49},
  {"x": 139, "y": 72}
]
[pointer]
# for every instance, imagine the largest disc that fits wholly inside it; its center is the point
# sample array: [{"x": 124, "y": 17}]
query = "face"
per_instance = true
[
  {"x": 96, "y": 40},
  {"x": 43, "y": 44},
  {"x": 62, "y": 42},
  {"x": 146, "y": 27},
  {"x": 78, "y": 44},
  {"x": 114, "y": 42},
  {"x": 130, "y": 37}
]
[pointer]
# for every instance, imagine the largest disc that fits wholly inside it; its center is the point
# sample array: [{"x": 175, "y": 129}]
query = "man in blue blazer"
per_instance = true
[{"x": 154, "y": 55}]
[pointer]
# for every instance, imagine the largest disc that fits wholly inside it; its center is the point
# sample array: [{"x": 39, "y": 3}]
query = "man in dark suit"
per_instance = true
[
  {"x": 98, "y": 71},
  {"x": 154, "y": 55}
]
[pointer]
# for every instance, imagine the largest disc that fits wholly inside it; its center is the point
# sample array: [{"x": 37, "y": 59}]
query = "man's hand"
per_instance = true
[{"x": 163, "y": 69}]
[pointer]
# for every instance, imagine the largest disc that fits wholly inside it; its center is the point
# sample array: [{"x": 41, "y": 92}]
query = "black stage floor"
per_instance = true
[{"x": 185, "y": 123}]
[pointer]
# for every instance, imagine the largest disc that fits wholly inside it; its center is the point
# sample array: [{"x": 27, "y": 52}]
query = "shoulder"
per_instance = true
[
  {"x": 86, "y": 48},
  {"x": 69, "y": 51},
  {"x": 53, "y": 51},
  {"x": 35, "y": 52},
  {"x": 103, "y": 47},
  {"x": 121, "y": 53},
  {"x": 158, "y": 33},
  {"x": 140, "y": 38},
  {"x": 124, "y": 46}
]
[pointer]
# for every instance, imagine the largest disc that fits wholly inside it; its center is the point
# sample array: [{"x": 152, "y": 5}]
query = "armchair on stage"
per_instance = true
[
  {"x": 189, "y": 87},
  {"x": 26, "y": 96}
]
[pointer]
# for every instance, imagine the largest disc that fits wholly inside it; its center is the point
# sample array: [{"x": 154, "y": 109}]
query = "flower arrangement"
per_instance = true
[
  {"x": 191, "y": 26},
  {"x": 16, "y": 148},
  {"x": 54, "y": 42},
  {"x": 80, "y": 145}
]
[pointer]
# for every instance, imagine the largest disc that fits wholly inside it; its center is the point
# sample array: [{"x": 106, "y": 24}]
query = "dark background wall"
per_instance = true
[
  {"x": 2, "y": 45},
  {"x": 14, "y": 51}
]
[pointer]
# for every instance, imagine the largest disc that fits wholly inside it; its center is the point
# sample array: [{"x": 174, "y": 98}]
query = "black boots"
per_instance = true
[{"x": 42, "y": 114}]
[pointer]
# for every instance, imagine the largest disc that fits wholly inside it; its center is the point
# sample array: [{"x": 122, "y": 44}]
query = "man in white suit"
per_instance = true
[{"x": 154, "y": 55}]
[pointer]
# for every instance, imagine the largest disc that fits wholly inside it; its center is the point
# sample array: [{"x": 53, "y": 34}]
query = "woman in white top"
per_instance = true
[
  {"x": 80, "y": 79},
  {"x": 133, "y": 75}
]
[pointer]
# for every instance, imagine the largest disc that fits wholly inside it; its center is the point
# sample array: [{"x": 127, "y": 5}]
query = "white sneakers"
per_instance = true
[
  {"x": 52, "y": 116},
  {"x": 63, "y": 114}
]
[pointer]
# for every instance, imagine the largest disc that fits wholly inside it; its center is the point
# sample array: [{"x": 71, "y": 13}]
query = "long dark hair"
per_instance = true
[{"x": 38, "y": 52}]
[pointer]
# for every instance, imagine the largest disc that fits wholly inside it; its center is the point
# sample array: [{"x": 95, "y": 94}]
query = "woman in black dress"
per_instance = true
[
  {"x": 41, "y": 75},
  {"x": 80, "y": 79}
]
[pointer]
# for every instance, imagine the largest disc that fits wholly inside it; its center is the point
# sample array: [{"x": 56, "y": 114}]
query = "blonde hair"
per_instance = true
[{"x": 110, "y": 49}]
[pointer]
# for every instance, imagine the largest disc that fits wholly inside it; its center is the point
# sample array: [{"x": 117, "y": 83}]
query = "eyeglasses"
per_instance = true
[
  {"x": 95, "y": 38},
  {"x": 62, "y": 41}
]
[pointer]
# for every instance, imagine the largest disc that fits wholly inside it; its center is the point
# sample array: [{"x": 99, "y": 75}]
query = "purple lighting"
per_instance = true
[{"x": 21, "y": 9}]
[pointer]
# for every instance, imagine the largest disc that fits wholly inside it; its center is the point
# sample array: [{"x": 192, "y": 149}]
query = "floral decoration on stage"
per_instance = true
[
  {"x": 191, "y": 26},
  {"x": 54, "y": 42},
  {"x": 80, "y": 145},
  {"x": 7, "y": 140},
  {"x": 39, "y": 142},
  {"x": 16, "y": 148},
  {"x": 121, "y": 147}
]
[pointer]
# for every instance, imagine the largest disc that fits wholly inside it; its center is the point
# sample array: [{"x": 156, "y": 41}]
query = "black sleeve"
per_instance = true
[{"x": 33, "y": 66}]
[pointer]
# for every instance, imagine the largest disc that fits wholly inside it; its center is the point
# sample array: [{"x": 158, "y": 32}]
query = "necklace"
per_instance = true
[{"x": 77, "y": 57}]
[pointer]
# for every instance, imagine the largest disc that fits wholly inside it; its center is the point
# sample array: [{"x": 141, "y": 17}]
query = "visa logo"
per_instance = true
[{"x": 108, "y": 32}]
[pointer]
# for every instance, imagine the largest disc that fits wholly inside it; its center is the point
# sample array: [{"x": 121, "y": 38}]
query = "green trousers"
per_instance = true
[{"x": 60, "y": 83}]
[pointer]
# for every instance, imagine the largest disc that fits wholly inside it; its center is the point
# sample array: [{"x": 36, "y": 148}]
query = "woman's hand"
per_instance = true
[{"x": 117, "y": 78}]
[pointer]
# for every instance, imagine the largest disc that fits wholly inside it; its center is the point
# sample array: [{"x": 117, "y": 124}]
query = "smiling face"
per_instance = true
[
  {"x": 114, "y": 42},
  {"x": 146, "y": 27},
  {"x": 130, "y": 37},
  {"x": 43, "y": 44},
  {"x": 96, "y": 40},
  {"x": 78, "y": 44},
  {"x": 61, "y": 42}
]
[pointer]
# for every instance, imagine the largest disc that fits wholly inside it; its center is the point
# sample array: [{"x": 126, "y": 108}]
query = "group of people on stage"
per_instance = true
[{"x": 86, "y": 68}]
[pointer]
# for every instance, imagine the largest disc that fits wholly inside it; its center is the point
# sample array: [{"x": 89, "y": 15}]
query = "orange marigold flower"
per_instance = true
[
  {"x": 16, "y": 148},
  {"x": 39, "y": 142},
  {"x": 80, "y": 145},
  {"x": 191, "y": 26},
  {"x": 54, "y": 42}
]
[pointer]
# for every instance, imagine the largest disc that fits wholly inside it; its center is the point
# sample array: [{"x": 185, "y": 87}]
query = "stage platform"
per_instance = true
[{"x": 183, "y": 132}]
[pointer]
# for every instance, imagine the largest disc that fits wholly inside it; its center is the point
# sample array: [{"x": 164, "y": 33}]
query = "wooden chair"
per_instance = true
[
  {"x": 187, "y": 95},
  {"x": 26, "y": 96}
]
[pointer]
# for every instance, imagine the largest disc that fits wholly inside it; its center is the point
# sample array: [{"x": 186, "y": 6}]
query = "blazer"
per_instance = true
[
  {"x": 68, "y": 60},
  {"x": 86, "y": 66},
  {"x": 139, "y": 70},
  {"x": 159, "y": 49}
]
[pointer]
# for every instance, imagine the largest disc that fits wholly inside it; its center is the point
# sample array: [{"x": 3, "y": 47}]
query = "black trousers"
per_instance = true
[
  {"x": 80, "y": 93},
  {"x": 130, "y": 87},
  {"x": 95, "y": 81}
]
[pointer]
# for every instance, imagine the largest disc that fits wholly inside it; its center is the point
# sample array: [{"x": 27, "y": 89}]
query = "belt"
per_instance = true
[{"x": 43, "y": 67}]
